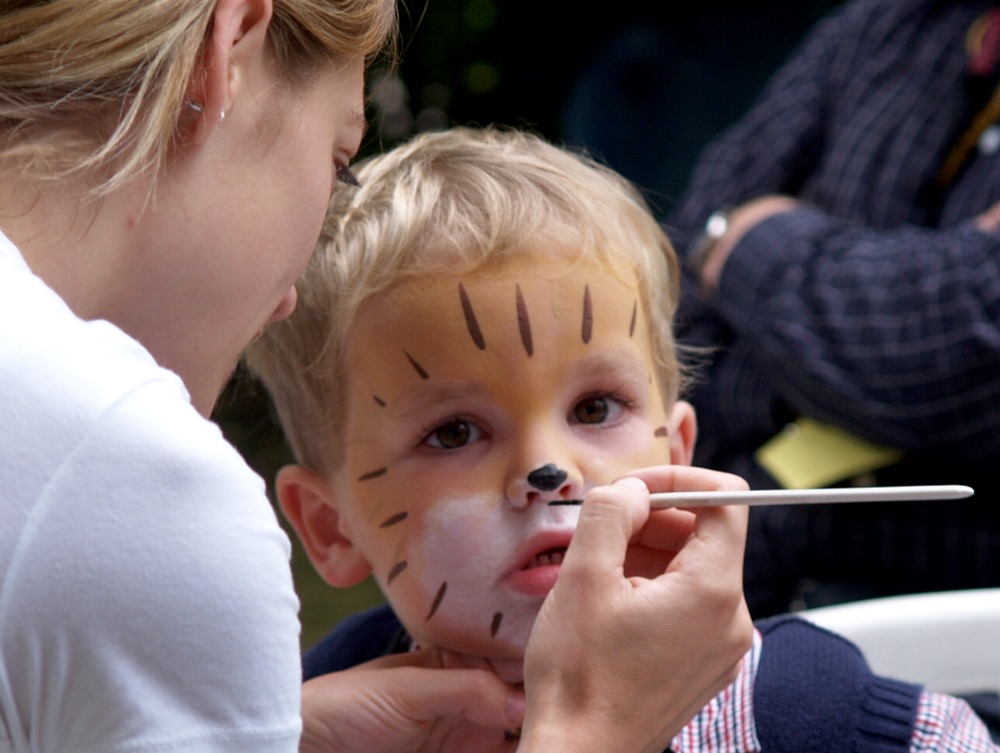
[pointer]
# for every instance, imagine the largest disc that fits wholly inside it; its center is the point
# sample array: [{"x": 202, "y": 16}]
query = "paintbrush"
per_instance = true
[{"x": 811, "y": 496}]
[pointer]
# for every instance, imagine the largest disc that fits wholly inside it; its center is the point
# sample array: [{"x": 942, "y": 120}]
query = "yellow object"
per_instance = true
[{"x": 809, "y": 454}]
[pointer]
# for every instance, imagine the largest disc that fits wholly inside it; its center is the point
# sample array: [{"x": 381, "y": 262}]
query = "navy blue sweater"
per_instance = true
[{"x": 813, "y": 691}]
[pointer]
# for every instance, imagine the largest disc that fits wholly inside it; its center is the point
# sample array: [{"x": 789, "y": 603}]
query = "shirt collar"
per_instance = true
[{"x": 726, "y": 724}]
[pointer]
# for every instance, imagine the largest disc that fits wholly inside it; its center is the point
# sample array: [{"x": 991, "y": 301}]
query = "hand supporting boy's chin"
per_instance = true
[
  {"x": 510, "y": 671},
  {"x": 417, "y": 702}
]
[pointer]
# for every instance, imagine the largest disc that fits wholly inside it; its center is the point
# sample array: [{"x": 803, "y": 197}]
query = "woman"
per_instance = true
[{"x": 164, "y": 171}]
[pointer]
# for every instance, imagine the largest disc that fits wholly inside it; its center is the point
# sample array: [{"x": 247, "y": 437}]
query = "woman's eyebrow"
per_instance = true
[{"x": 356, "y": 119}]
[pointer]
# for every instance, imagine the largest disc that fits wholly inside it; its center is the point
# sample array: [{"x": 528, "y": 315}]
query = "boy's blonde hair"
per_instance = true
[
  {"x": 96, "y": 87},
  {"x": 447, "y": 203}
]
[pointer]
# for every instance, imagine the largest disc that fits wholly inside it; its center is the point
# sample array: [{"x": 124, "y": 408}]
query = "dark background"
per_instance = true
[{"x": 641, "y": 89}]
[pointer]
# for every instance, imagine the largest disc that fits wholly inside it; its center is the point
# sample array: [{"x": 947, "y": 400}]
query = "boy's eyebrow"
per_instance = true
[
  {"x": 416, "y": 400},
  {"x": 613, "y": 362},
  {"x": 618, "y": 363}
]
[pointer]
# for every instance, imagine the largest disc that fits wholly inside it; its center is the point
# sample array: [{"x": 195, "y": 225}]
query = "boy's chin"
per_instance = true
[{"x": 507, "y": 663}]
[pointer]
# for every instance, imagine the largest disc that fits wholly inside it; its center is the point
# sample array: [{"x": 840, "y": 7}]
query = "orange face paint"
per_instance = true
[{"x": 466, "y": 392}]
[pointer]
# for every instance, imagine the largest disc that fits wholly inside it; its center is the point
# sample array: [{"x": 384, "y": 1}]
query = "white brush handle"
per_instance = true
[{"x": 811, "y": 496}]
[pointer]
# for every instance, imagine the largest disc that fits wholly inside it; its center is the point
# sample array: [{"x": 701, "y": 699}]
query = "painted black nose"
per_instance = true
[{"x": 547, "y": 478}]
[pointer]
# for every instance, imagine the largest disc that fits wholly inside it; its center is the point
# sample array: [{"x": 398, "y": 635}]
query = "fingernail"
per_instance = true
[{"x": 516, "y": 706}]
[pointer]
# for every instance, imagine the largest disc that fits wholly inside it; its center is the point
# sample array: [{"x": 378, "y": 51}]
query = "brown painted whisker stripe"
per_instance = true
[
  {"x": 495, "y": 626},
  {"x": 524, "y": 323},
  {"x": 470, "y": 319},
  {"x": 394, "y": 573},
  {"x": 373, "y": 474},
  {"x": 417, "y": 367},
  {"x": 438, "y": 599},
  {"x": 661, "y": 432},
  {"x": 399, "y": 517},
  {"x": 379, "y": 400},
  {"x": 587, "y": 328},
  {"x": 631, "y": 324}
]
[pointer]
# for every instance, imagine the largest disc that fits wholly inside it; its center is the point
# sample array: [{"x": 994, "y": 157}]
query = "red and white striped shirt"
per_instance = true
[{"x": 944, "y": 724}]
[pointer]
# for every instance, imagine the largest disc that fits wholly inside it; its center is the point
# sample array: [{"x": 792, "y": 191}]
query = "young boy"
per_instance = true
[{"x": 484, "y": 336}]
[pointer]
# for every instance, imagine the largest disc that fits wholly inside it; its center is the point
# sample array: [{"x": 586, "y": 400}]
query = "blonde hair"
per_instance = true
[
  {"x": 449, "y": 203},
  {"x": 97, "y": 87}
]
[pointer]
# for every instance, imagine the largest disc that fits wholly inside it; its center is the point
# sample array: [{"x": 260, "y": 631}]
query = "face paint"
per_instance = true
[
  {"x": 547, "y": 478},
  {"x": 524, "y": 322},
  {"x": 495, "y": 395},
  {"x": 587, "y": 326},
  {"x": 470, "y": 319}
]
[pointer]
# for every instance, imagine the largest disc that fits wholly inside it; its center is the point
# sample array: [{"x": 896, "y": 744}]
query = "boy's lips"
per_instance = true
[
  {"x": 553, "y": 556},
  {"x": 537, "y": 563}
]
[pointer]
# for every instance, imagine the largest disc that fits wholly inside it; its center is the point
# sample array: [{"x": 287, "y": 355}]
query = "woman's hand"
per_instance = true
[
  {"x": 406, "y": 703},
  {"x": 647, "y": 622}
]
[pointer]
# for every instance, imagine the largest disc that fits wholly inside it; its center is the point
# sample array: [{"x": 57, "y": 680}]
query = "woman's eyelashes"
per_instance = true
[{"x": 344, "y": 175}]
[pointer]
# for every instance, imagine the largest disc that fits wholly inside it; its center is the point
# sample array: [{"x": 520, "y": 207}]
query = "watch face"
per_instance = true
[{"x": 717, "y": 224}]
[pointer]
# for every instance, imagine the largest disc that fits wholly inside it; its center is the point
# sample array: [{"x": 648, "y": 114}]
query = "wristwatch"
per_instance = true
[{"x": 716, "y": 226}]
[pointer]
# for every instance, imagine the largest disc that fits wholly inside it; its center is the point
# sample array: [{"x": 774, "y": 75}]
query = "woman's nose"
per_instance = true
[{"x": 286, "y": 306}]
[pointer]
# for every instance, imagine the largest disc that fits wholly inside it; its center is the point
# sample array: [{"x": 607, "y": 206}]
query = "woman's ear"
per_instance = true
[
  {"x": 310, "y": 506},
  {"x": 683, "y": 427},
  {"x": 236, "y": 41}
]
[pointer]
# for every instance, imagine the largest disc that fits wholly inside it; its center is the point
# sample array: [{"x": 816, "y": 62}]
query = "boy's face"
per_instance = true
[{"x": 476, "y": 402}]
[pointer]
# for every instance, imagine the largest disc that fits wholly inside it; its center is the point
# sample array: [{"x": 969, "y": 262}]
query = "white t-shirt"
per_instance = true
[{"x": 146, "y": 600}]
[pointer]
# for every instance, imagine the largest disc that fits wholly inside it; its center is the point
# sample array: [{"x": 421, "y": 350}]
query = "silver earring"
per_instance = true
[
  {"x": 222, "y": 116},
  {"x": 198, "y": 107}
]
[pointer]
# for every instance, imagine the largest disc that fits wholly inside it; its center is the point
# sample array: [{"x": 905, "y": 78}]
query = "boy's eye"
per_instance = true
[
  {"x": 453, "y": 434},
  {"x": 596, "y": 410},
  {"x": 593, "y": 410}
]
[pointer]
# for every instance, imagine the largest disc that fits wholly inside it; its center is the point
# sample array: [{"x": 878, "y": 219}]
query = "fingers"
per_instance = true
[
  {"x": 466, "y": 687},
  {"x": 687, "y": 478},
  {"x": 989, "y": 221},
  {"x": 379, "y": 709},
  {"x": 685, "y": 606},
  {"x": 719, "y": 538},
  {"x": 672, "y": 531},
  {"x": 715, "y": 544},
  {"x": 617, "y": 529},
  {"x": 476, "y": 695},
  {"x": 604, "y": 530}
]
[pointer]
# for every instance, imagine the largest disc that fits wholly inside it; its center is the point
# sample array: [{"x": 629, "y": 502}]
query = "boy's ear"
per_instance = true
[
  {"x": 683, "y": 427},
  {"x": 310, "y": 506}
]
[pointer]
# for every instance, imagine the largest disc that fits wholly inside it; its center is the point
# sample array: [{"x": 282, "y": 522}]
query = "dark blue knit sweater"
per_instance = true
[{"x": 813, "y": 691}]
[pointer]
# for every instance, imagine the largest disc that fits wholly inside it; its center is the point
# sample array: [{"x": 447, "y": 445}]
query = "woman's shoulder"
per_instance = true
[{"x": 104, "y": 456}]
